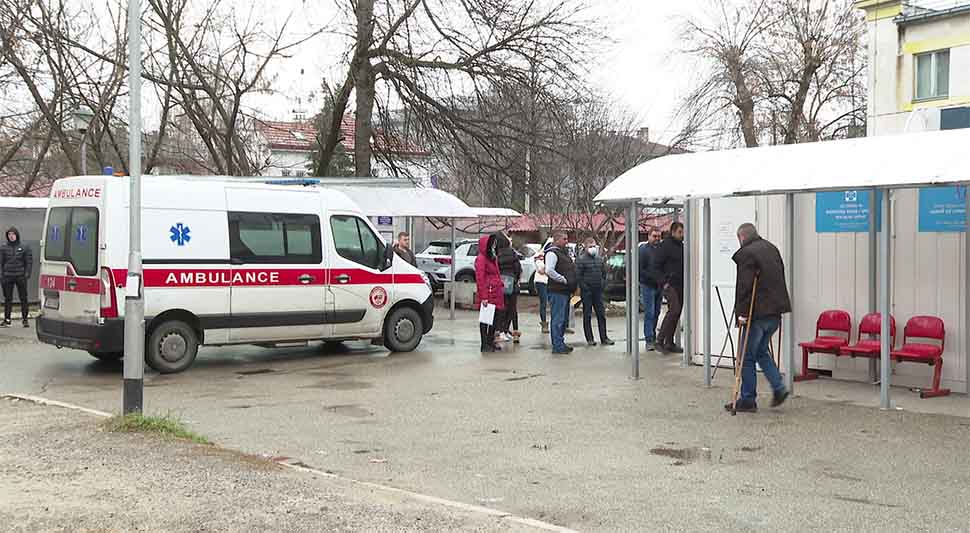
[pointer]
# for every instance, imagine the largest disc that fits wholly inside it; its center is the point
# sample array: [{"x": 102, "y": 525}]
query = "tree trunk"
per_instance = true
[{"x": 364, "y": 82}]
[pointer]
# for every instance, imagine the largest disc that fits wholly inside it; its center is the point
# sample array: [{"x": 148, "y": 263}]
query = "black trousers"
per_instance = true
[
  {"x": 8, "y": 287},
  {"x": 487, "y": 332},
  {"x": 593, "y": 301},
  {"x": 675, "y": 297},
  {"x": 510, "y": 316}
]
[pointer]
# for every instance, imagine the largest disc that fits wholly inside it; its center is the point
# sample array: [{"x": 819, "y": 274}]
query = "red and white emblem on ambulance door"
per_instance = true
[{"x": 378, "y": 297}]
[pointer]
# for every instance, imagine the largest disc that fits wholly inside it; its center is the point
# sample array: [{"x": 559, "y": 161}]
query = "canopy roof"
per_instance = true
[
  {"x": 494, "y": 212},
  {"x": 406, "y": 202},
  {"x": 17, "y": 202},
  {"x": 908, "y": 160}
]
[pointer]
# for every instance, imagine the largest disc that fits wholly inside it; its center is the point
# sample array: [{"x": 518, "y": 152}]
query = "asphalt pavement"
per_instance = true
[{"x": 569, "y": 440}]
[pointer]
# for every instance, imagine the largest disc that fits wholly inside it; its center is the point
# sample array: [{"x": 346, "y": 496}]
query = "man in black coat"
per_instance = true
[
  {"x": 16, "y": 262},
  {"x": 759, "y": 260},
  {"x": 510, "y": 267},
  {"x": 592, "y": 281},
  {"x": 668, "y": 271}
]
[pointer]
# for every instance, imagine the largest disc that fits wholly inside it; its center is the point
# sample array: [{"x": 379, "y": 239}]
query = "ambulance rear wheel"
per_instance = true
[
  {"x": 172, "y": 347},
  {"x": 402, "y": 330}
]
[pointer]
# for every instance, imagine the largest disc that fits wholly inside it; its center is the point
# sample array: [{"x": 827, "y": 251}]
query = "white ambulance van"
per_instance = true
[{"x": 224, "y": 263}]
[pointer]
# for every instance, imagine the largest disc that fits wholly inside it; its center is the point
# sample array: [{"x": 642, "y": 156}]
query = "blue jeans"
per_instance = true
[
  {"x": 651, "y": 300},
  {"x": 543, "y": 291},
  {"x": 760, "y": 332},
  {"x": 560, "y": 316}
]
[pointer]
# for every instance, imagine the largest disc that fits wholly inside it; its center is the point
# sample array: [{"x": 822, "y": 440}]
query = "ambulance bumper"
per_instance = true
[
  {"x": 107, "y": 337},
  {"x": 427, "y": 314}
]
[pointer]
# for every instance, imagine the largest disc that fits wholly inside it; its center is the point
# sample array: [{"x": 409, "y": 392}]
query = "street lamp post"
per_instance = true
[{"x": 82, "y": 119}]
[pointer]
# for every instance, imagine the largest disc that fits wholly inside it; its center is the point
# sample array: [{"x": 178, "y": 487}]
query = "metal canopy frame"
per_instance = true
[{"x": 879, "y": 252}]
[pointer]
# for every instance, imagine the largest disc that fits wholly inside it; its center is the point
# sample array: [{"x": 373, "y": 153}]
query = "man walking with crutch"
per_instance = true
[{"x": 761, "y": 297}]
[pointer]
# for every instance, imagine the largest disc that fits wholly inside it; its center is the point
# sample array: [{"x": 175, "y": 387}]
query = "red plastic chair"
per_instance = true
[
  {"x": 832, "y": 321},
  {"x": 927, "y": 328},
  {"x": 868, "y": 343}
]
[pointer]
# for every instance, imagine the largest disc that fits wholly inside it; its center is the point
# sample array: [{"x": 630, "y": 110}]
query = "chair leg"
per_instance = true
[
  {"x": 936, "y": 391},
  {"x": 805, "y": 375}
]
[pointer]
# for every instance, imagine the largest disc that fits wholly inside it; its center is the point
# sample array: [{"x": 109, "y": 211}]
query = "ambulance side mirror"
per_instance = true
[{"x": 388, "y": 258}]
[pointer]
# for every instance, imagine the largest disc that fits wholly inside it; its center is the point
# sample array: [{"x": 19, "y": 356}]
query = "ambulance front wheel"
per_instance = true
[
  {"x": 402, "y": 330},
  {"x": 172, "y": 347}
]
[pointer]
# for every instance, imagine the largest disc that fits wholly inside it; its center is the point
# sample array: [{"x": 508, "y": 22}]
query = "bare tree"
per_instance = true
[
  {"x": 779, "y": 72},
  {"x": 436, "y": 58}
]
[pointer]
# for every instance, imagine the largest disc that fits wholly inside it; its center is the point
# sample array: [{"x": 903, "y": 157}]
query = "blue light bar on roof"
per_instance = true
[{"x": 293, "y": 181}]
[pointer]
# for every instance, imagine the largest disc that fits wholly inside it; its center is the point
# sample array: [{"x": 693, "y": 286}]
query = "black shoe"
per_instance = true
[
  {"x": 779, "y": 398},
  {"x": 590, "y": 343},
  {"x": 26, "y": 323},
  {"x": 742, "y": 407},
  {"x": 561, "y": 352},
  {"x": 673, "y": 348},
  {"x": 607, "y": 342},
  {"x": 5, "y": 324}
]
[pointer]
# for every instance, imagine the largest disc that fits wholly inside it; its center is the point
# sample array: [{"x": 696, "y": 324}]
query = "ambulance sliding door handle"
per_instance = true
[
  {"x": 305, "y": 279},
  {"x": 343, "y": 278}
]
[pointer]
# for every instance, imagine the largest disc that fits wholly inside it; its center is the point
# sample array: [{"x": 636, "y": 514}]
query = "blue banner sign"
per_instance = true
[
  {"x": 942, "y": 209},
  {"x": 844, "y": 211},
  {"x": 385, "y": 221}
]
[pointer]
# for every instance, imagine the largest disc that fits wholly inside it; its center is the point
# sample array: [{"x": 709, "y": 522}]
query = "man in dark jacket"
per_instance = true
[
  {"x": 16, "y": 262},
  {"x": 668, "y": 270},
  {"x": 592, "y": 280},
  {"x": 403, "y": 248},
  {"x": 759, "y": 260},
  {"x": 650, "y": 296},
  {"x": 562, "y": 282}
]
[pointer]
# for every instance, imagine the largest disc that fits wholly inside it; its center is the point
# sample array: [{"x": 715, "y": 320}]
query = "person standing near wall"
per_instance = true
[
  {"x": 592, "y": 281},
  {"x": 650, "y": 296},
  {"x": 403, "y": 248},
  {"x": 758, "y": 259},
  {"x": 541, "y": 283},
  {"x": 16, "y": 262},
  {"x": 562, "y": 283},
  {"x": 668, "y": 270},
  {"x": 489, "y": 289}
]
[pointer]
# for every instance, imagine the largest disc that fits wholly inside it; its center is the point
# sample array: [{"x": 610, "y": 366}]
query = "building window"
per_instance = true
[
  {"x": 286, "y": 172},
  {"x": 301, "y": 173},
  {"x": 933, "y": 75}
]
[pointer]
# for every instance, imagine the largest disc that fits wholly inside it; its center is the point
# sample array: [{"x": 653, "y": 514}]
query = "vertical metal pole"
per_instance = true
[
  {"x": 84, "y": 155},
  {"x": 707, "y": 292},
  {"x": 632, "y": 304},
  {"x": 685, "y": 316},
  {"x": 452, "y": 277},
  {"x": 789, "y": 319},
  {"x": 873, "y": 279},
  {"x": 886, "y": 370},
  {"x": 634, "y": 223},
  {"x": 134, "y": 363},
  {"x": 966, "y": 287}
]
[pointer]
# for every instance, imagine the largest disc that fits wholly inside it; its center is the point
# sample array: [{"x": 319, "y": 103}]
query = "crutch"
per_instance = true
[{"x": 743, "y": 341}]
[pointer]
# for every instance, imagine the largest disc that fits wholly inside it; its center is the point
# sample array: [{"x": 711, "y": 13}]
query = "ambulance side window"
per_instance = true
[
  {"x": 355, "y": 241},
  {"x": 274, "y": 238}
]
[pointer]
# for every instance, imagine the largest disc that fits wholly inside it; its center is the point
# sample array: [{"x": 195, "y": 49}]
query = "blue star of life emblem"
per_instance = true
[{"x": 180, "y": 234}]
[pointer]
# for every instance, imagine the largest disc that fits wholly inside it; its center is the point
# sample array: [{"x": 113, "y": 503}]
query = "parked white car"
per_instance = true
[{"x": 435, "y": 262}]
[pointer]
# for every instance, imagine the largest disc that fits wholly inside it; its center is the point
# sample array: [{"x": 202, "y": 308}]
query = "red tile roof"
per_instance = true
[{"x": 301, "y": 137}]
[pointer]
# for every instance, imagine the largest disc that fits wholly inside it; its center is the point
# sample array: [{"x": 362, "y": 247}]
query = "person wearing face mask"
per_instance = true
[{"x": 592, "y": 280}]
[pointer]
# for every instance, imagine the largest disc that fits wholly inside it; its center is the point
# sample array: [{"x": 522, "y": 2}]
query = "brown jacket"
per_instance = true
[{"x": 758, "y": 257}]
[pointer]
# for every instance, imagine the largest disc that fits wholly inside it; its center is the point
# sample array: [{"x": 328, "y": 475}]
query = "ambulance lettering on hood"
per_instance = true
[{"x": 78, "y": 192}]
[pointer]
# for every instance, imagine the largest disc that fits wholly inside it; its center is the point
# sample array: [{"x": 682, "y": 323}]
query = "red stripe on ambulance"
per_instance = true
[
  {"x": 226, "y": 277},
  {"x": 70, "y": 284}
]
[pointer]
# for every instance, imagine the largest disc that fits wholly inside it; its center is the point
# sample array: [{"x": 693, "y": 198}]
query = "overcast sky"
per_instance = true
[{"x": 640, "y": 68}]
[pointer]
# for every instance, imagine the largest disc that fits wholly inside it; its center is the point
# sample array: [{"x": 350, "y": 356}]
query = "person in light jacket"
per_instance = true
[
  {"x": 490, "y": 288},
  {"x": 542, "y": 284}
]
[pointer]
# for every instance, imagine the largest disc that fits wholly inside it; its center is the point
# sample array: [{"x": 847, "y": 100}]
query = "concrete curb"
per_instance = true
[{"x": 302, "y": 467}]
